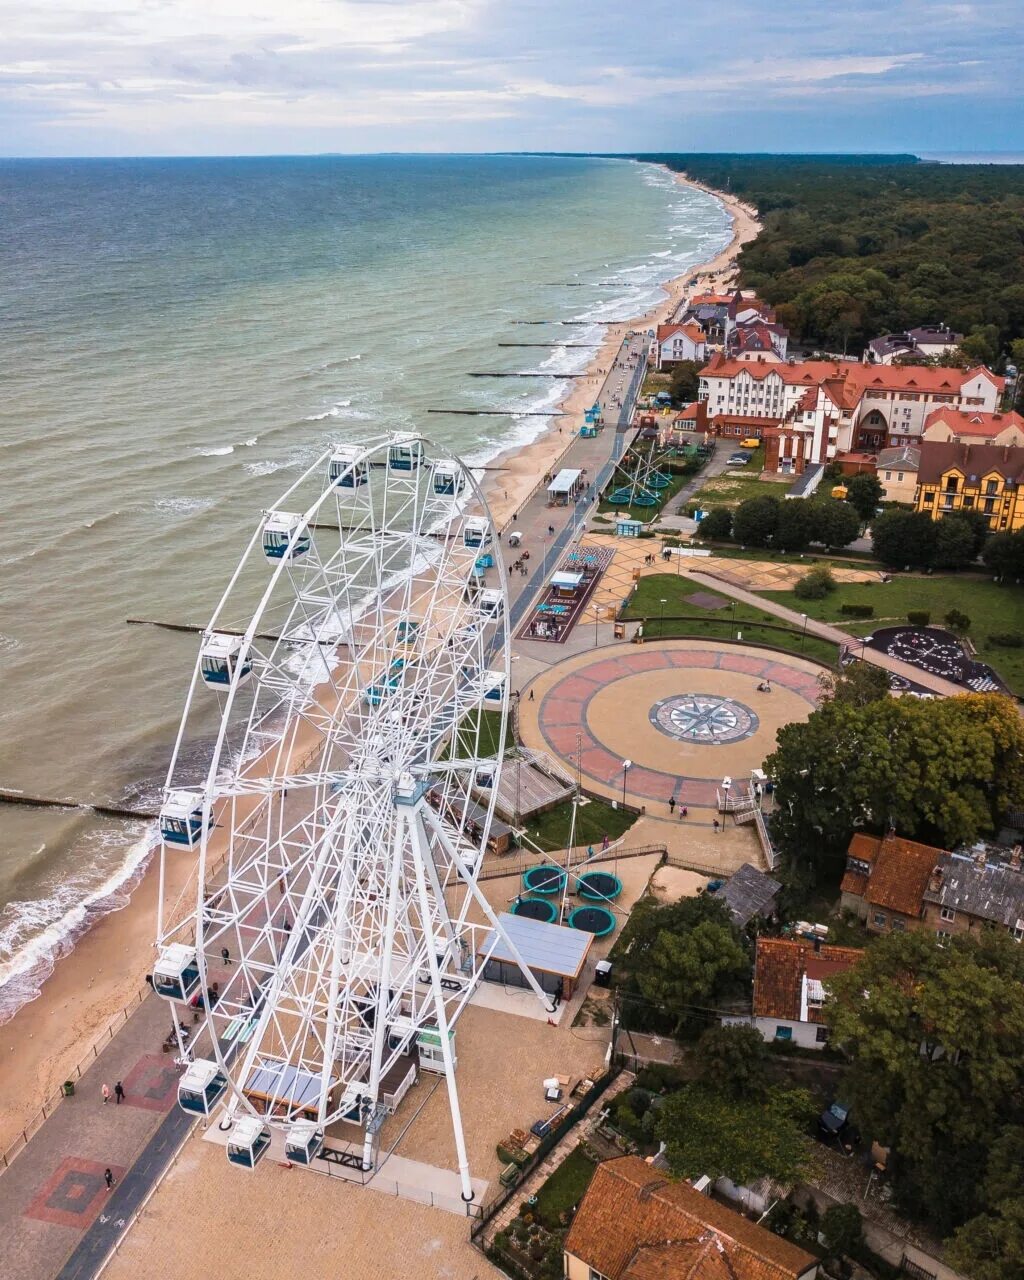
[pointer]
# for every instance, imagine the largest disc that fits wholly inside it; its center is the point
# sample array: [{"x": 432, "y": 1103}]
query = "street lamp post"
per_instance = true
[
  {"x": 803, "y": 634},
  {"x": 597, "y": 617},
  {"x": 661, "y": 627},
  {"x": 626, "y": 766}
]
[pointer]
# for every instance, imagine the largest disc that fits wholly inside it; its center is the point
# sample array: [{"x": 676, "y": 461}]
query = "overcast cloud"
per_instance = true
[{"x": 187, "y": 77}]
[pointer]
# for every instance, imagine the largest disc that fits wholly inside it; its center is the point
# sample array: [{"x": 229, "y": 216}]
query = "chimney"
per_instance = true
[
  {"x": 1015, "y": 857},
  {"x": 980, "y": 858},
  {"x": 935, "y": 880}
]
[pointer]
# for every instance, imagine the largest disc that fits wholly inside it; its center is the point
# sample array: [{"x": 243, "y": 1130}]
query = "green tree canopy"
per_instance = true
[
  {"x": 856, "y": 685},
  {"x": 733, "y": 1060},
  {"x": 706, "y": 1132},
  {"x": 864, "y": 493},
  {"x": 754, "y": 521},
  {"x": 904, "y": 538},
  {"x": 955, "y": 544},
  {"x": 794, "y": 526},
  {"x": 836, "y": 524},
  {"x": 1003, "y": 555},
  {"x": 933, "y": 1034},
  {"x": 684, "y": 382},
  {"x": 717, "y": 524}
]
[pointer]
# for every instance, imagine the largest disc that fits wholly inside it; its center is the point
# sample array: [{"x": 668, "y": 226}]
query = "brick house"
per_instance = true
[
  {"x": 789, "y": 992},
  {"x": 895, "y": 884},
  {"x": 634, "y": 1223}
]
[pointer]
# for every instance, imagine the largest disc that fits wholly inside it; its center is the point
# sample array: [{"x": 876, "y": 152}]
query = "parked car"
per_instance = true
[
  {"x": 751, "y": 442},
  {"x": 738, "y": 460}
]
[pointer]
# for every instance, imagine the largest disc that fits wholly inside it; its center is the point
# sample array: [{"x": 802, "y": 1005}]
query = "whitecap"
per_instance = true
[
  {"x": 181, "y": 506},
  {"x": 217, "y": 452}
]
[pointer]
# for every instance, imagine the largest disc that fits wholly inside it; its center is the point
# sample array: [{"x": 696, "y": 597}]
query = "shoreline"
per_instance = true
[{"x": 96, "y": 975}]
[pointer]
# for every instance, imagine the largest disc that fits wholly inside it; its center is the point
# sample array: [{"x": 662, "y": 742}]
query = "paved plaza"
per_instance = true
[{"x": 687, "y": 713}]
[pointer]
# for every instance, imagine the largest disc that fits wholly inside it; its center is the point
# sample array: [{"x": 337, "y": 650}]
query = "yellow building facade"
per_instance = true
[{"x": 972, "y": 477}]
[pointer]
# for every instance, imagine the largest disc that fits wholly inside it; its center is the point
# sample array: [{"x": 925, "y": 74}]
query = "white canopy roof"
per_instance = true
[
  {"x": 565, "y": 481},
  {"x": 566, "y": 580}
]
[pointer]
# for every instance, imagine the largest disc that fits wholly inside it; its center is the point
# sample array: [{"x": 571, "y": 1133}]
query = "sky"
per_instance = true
[{"x": 201, "y": 77}]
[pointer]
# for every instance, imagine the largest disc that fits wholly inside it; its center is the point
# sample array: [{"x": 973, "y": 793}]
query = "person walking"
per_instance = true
[
  {"x": 716, "y": 824},
  {"x": 119, "y": 1093},
  {"x": 108, "y": 1178},
  {"x": 671, "y": 806},
  {"x": 530, "y": 699},
  {"x": 225, "y": 955},
  {"x": 105, "y": 1091}
]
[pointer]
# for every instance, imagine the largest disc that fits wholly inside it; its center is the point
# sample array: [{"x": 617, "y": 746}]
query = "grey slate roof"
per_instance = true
[
  {"x": 749, "y": 893},
  {"x": 993, "y": 892}
]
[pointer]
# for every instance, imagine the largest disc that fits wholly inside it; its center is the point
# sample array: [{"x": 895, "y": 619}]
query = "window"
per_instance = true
[
  {"x": 596, "y": 1275},
  {"x": 878, "y": 920},
  {"x": 990, "y": 486},
  {"x": 943, "y": 936},
  {"x": 948, "y": 913},
  {"x": 821, "y": 1035},
  {"x": 1017, "y": 932},
  {"x": 929, "y": 497},
  {"x": 899, "y": 925},
  {"x": 899, "y": 475},
  {"x": 888, "y": 475},
  {"x": 783, "y": 1033}
]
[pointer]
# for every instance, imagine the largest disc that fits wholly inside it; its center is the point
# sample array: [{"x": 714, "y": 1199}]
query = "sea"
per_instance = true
[{"x": 179, "y": 340}]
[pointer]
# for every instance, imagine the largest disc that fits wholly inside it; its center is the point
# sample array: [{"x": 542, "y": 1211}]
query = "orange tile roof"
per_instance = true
[
  {"x": 693, "y": 331},
  {"x": 981, "y": 425},
  {"x": 857, "y": 378},
  {"x": 854, "y": 882},
  {"x": 779, "y": 968},
  {"x": 900, "y": 875},
  {"x": 634, "y": 1223}
]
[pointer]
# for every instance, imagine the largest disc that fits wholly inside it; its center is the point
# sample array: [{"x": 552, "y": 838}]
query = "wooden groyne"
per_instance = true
[
  {"x": 47, "y": 802},
  {"x": 505, "y": 413},
  {"x": 584, "y": 346},
  {"x": 537, "y": 373}
]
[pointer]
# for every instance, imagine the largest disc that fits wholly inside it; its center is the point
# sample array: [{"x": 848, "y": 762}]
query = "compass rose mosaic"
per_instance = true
[{"x": 705, "y": 719}]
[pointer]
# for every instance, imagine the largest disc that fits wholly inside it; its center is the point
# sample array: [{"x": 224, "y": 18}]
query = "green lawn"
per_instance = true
[
  {"x": 990, "y": 606},
  {"x": 594, "y": 820},
  {"x": 490, "y": 730},
  {"x": 683, "y": 620},
  {"x": 733, "y": 487},
  {"x": 564, "y": 1189}
]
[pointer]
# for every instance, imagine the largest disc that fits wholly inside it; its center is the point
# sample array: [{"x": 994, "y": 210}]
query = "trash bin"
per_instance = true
[
  {"x": 620, "y": 630},
  {"x": 68, "y": 1089},
  {"x": 603, "y": 973}
]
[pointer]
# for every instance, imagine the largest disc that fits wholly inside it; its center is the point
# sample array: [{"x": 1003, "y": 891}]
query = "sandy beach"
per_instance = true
[{"x": 89, "y": 988}]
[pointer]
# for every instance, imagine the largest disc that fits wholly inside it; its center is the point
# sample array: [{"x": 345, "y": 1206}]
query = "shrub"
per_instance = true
[
  {"x": 1007, "y": 639},
  {"x": 958, "y": 622},
  {"x": 815, "y": 584},
  {"x": 842, "y": 1229},
  {"x": 857, "y": 610},
  {"x": 918, "y": 617}
]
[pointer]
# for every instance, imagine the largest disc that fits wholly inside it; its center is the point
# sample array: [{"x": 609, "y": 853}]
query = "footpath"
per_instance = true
[{"x": 58, "y": 1219}]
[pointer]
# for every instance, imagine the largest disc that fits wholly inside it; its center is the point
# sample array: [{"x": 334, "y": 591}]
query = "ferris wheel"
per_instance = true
[{"x": 341, "y": 806}]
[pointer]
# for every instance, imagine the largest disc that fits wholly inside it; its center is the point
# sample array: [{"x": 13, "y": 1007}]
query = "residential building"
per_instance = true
[
  {"x": 634, "y": 1223},
  {"x": 927, "y": 342},
  {"x": 757, "y": 340},
  {"x": 895, "y": 884},
  {"x": 789, "y": 991},
  {"x": 972, "y": 477},
  {"x": 897, "y": 471},
  {"x": 818, "y": 409},
  {"x": 961, "y": 427},
  {"x": 676, "y": 342}
]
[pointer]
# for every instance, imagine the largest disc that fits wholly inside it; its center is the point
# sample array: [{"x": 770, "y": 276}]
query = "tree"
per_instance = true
[
  {"x": 1003, "y": 555},
  {"x": 815, "y": 584},
  {"x": 706, "y": 1132},
  {"x": 932, "y": 1033},
  {"x": 991, "y": 1246},
  {"x": 955, "y": 546},
  {"x": 855, "y": 685},
  {"x": 794, "y": 526},
  {"x": 958, "y": 622},
  {"x": 755, "y": 521},
  {"x": 716, "y": 525},
  {"x": 842, "y": 1228},
  {"x": 901, "y": 538},
  {"x": 941, "y": 772},
  {"x": 732, "y": 1060},
  {"x": 864, "y": 493},
  {"x": 689, "y": 969},
  {"x": 836, "y": 524},
  {"x": 982, "y": 344},
  {"x": 684, "y": 382}
]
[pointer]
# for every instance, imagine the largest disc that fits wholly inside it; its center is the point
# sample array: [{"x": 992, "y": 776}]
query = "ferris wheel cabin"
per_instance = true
[
  {"x": 220, "y": 658},
  {"x": 249, "y": 1142},
  {"x": 491, "y": 604},
  {"x": 181, "y": 818},
  {"x": 494, "y": 686},
  {"x": 201, "y": 1087},
  {"x": 303, "y": 1142},
  {"x": 476, "y": 532},
  {"x": 448, "y": 478},
  {"x": 284, "y": 537},
  {"x": 405, "y": 453},
  {"x": 176, "y": 973},
  {"x": 346, "y": 470}
]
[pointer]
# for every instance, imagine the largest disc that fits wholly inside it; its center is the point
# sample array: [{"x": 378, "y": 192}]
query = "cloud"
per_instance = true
[{"x": 110, "y": 76}]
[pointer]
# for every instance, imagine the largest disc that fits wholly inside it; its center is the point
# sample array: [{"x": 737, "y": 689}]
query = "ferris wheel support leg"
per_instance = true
[
  {"x": 489, "y": 912},
  {"x": 419, "y": 856}
]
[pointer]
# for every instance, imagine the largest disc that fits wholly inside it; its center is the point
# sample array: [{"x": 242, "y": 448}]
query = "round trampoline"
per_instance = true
[
  {"x": 599, "y": 886},
  {"x": 542, "y": 909},
  {"x": 544, "y": 879},
  {"x": 596, "y": 920}
]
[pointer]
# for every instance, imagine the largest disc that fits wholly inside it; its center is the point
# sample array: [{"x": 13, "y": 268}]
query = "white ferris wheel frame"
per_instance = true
[{"x": 348, "y": 926}]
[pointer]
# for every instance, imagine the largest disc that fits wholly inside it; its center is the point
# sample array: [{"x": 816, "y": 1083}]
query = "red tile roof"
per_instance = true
[
  {"x": 779, "y": 968},
  {"x": 693, "y": 331},
  {"x": 900, "y": 870},
  {"x": 981, "y": 426},
  {"x": 634, "y": 1223},
  {"x": 852, "y": 378}
]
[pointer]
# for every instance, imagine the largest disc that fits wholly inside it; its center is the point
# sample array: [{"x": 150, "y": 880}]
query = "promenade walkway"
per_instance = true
[{"x": 57, "y": 1217}]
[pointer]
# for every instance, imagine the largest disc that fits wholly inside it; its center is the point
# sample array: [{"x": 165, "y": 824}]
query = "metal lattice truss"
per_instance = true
[{"x": 347, "y": 797}]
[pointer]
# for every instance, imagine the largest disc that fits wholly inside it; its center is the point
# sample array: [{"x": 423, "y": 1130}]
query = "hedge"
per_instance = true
[{"x": 857, "y": 610}]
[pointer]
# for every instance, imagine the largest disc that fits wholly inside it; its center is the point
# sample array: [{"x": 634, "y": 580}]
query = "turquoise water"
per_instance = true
[{"x": 181, "y": 338}]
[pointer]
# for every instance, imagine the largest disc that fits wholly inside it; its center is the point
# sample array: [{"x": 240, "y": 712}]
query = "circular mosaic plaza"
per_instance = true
[
  {"x": 660, "y": 706},
  {"x": 704, "y": 718}
]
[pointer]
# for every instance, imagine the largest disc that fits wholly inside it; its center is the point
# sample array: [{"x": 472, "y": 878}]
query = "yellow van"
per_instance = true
[{"x": 751, "y": 442}]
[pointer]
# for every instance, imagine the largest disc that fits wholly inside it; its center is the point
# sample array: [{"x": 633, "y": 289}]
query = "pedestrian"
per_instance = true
[
  {"x": 225, "y": 955},
  {"x": 515, "y": 517},
  {"x": 715, "y": 823},
  {"x": 530, "y": 699},
  {"x": 108, "y": 1178},
  {"x": 551, "y": 530},
  {"x": 683, "y": 811},
  {"x": 105, "y": 1090},
  {"x": 118, "y": 1093},
  {"x": 590, "y": 851},
  {"x": 671, "y": 805}
]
